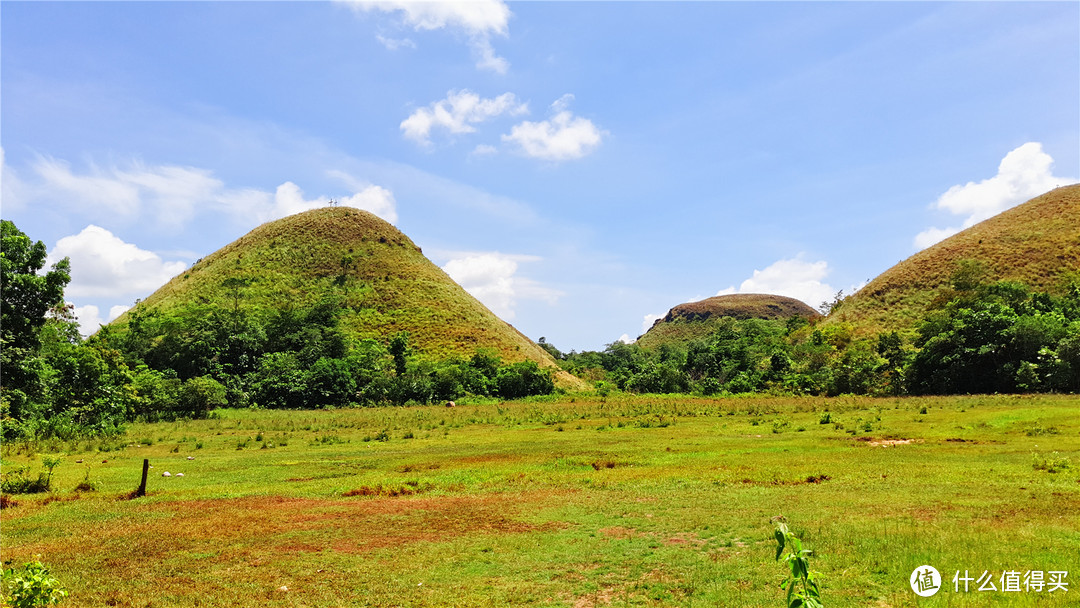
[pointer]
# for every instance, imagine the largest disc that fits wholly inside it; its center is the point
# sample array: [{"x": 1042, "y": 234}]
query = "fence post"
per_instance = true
[{"x": 145, "y": 469}]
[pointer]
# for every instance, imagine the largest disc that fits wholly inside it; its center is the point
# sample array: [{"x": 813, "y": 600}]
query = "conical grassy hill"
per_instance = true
[
  {"x": 695, "y": 320},
  {"x": 382, "y": 279},
  {"x": 1037, "y": 242}
]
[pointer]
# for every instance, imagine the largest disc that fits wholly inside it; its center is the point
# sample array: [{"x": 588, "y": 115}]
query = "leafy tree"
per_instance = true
[
  {"x": 200, "y": 395},
  {"x": 550, "y": 348},
  {"x": 27, "y": 296},
  {"x": 399, "y": 350},
  {"x": 964, "y": 350},
  {"x": 331, "y": 383},
  {"x": 280, "y": 382},
  {"x": 657, "y": 377},
  {"x": 523, "y": 379}
]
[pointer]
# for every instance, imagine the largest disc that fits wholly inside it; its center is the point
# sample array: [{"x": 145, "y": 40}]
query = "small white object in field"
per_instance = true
[
  {"x": 191, "y": 458},
  {"x": 450, "y": 404},
  {"x": 179, "y": 474},
  {"x": 283, "y": 588},
  {"x": 166, "y": 474}
]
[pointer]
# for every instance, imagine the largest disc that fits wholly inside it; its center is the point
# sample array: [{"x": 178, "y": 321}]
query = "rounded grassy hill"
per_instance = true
[
  {"x": 384, "y": 283},
  {"x": 1037, "y": 243},
  {"x": 695, "y": 320}
]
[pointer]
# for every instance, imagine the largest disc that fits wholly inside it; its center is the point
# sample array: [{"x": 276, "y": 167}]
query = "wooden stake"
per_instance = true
[{"x": 145, "y": 469}]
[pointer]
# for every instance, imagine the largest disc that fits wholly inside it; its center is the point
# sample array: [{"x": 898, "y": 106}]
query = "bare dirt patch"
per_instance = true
[{"x": 888, "y": 443}]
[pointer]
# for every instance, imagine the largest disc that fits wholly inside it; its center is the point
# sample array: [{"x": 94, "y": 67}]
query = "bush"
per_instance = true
[
  {"x": 32, "y": 586},
  {"x": 522, "y": 380},
  {"x": 200, "y": 395},
  {"x": 18, "y": 481}
]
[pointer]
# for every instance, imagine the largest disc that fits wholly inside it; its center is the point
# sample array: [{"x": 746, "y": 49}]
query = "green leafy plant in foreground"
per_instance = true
[
  {"x": 31, "y": 587},
  {"x": 802, "y": 589}
]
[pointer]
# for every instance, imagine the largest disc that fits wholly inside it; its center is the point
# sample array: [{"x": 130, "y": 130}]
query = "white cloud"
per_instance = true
[
  {"x": 490, "y": 278},
  {"x": 626, "y": 339},
  {"x": 562, "y": 104},
  {"x": 563, "y": 137},
  {"x": 478, "y": 19},
  {"x": 110, "y": 192},
  {"x": 485, "y": 150},
  {"x": 648, "y": 320},
  {"x": 10, "y": 186},
  {"x": 394, "y": 44},
  {"x": 103, "y": 265},
  {"x": 793, "y": 277},
  {"x": 174, "y": 194},
  {"x": 369, "y": 197},
  {"x": 289, "y": 199},
  {"x": 933, "y": 235},
  {"x": 1023, "y": 174},
  {"x": 486, "y": 59},
  {"x": 457, "y": 113},
  {"x": 90, "y": 319}
]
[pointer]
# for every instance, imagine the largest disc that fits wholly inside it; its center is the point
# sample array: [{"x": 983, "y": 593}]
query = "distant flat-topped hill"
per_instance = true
[
  {"x": 694, "y": 320},
  {"x": 1036, "y": 242},
  {"x": 384, "y": 282}
]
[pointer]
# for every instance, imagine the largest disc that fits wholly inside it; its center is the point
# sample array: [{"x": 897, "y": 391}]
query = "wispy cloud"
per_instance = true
[
  {"x": 394, "y": 44},
  {"x": 1023, "y": 174},
  {"x": 479, "y": 20},
  {"x": 172, "y": 195},
  {"x": 458, "y": 113}
]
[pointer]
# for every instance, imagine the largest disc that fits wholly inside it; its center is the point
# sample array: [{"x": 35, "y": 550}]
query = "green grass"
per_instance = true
[
  {"x": 1035, "y": 243},
  {"x": 573, "y": 501}
]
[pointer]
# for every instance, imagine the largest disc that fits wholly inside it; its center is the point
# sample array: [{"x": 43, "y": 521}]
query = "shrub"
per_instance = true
[{"x": 32, "y": 586}]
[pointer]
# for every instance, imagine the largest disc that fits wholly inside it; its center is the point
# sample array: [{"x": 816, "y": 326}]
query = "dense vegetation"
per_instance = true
[
  {"x": 190, "y": 360},
  {"x": 978, "y": 337}
]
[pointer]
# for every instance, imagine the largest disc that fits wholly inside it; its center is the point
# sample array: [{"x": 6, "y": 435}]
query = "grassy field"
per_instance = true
[{"x": 637, "y": 501}]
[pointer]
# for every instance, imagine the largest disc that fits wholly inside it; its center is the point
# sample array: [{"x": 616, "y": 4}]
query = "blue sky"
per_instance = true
[{"x": 579, "y": 167}]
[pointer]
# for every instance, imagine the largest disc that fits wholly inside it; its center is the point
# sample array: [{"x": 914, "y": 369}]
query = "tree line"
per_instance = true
[{"x": 978, "y": 337}]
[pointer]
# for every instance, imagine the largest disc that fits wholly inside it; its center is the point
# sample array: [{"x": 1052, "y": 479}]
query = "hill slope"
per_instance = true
[
  {"x": 1035, "y": 242},
  {"x": 694, "y": 320},
  {"x": 382, "y": 278}
]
